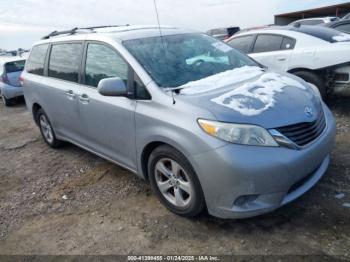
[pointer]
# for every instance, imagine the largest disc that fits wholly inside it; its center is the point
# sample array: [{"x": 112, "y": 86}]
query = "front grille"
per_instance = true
[{"x": 304, "y": 133}]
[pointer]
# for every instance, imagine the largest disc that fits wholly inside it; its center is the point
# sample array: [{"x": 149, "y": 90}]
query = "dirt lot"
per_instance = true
[{"x": 69, "y": 201}]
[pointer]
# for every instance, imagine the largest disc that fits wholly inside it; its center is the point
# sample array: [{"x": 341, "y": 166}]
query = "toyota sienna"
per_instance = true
[{"x": 207, "y": 126}]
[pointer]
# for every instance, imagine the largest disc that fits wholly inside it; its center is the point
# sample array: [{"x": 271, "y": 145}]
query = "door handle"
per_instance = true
[
  {"x": 70, "y": 94},
  {"x": 281, "y": 59},
  {"x": 84, "y": 98}
]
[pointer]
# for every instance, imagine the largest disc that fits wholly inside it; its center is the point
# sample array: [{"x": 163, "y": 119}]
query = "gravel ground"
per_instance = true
[{"x": 69, "y": 201}]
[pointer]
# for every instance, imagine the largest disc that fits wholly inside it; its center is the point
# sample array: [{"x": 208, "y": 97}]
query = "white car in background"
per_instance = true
[
  {"x": 318, "y": 55},
  {"x": 315, "y": 21}
]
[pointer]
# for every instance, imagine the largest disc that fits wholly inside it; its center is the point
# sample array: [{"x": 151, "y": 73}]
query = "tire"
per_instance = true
[
  {"x": 314, "y": 79},
  {"x": 7, "y": 102},
  {"x": 46, "y": 130},
  {"x": 184, "y": 184}
]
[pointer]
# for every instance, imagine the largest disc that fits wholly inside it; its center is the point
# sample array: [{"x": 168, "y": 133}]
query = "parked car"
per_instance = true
[
  {"x": 207, "y": 126},
  {"x": 10, "y": 85},
  {"x": 318, "y": 55},
  {"x": 315, "y": 21},
  {"x": 342, "y": 25},
  {"x": 223, "y": 33},
  {"x": 345, "y": 17}
]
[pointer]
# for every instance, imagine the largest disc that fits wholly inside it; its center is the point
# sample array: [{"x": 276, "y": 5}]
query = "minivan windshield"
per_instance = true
[{"x": 175, "y": 60}]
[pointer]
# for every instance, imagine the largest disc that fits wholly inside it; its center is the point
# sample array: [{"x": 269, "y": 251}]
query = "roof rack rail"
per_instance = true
[
  {"x": 102, "y": 26},
  {"x": 75, "y": 29},
  {"x": 55, "y": 33}
]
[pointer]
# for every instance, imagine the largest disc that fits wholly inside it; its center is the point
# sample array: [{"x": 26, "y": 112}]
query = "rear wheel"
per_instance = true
[
  {"x": 174, "y": 182},
  {"x": 7, "y": 101},
  {"x": 46, "y": 130},
  {"x": 314, "y": 79}
]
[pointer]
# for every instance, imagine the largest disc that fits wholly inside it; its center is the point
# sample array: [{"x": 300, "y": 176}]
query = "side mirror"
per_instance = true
[{"x": 113, "y": 86}]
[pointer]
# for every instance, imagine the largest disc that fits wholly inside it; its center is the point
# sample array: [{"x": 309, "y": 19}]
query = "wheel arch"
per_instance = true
[
  {"x": 35, "y": 109},
  {"x": 298, "y": 69},
  {"x": 149, "y": 147}
]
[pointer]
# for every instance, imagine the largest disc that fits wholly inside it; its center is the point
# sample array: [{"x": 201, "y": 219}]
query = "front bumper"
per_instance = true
[
  {"x": 9, "y": 91},
  {"x": 245, "y": 181}
]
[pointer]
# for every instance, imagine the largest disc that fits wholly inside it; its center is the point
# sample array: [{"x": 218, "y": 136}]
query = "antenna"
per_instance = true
[
  {"x": 160, "y": 29},
  {"x": 164, "y": 47}
]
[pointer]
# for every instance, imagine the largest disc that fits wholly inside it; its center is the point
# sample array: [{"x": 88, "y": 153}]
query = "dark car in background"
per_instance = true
[{"x": 223, "y": 33}]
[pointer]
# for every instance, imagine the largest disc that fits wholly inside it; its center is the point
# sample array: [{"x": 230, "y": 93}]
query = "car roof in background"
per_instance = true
[
  {"x": 6, "y": 59},
  {"x": 335, "y": 23},
  {"x": 320, "y": 32}
]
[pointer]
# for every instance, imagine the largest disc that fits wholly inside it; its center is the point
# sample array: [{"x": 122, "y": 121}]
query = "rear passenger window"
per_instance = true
[
  {"x": 242, "y": 43},
  {"x": 36, "y": 60},
  {"x": 267, "y": 43},
  {"x": 103, "y": 62},
  {"x": 288, "y": 43},
  {"x": 64, "y": 61}
]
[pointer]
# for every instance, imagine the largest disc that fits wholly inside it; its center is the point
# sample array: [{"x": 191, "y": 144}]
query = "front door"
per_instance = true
[{"x": 108, "y": 122}]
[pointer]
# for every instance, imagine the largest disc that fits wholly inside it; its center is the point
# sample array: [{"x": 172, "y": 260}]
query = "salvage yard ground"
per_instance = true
[{"x": 69, "y": 201}]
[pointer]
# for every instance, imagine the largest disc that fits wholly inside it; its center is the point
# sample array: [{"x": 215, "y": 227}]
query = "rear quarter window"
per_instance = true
[
  {"x": 288, "y": 43},
  {"x": 36, "y": 60}
]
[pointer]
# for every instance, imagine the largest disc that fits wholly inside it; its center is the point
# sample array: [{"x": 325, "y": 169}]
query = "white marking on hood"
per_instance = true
[
  {"x": 220, "y": 80},
  {"x": 342, "y": 37},
  {"x": 256, "y": 97}
]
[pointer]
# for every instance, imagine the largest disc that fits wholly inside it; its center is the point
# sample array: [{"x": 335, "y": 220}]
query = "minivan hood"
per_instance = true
[{"x": 262, "y": 98}]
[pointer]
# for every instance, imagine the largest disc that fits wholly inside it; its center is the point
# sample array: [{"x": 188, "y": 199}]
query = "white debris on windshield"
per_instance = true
[
  {"x": 342, "y": 37},
  {"x": 256, "y": 97},
  {"x": 220, "y": 80}
]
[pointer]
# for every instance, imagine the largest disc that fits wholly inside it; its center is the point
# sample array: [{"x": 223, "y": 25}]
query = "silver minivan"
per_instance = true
[{"x": 207, "y": 126}]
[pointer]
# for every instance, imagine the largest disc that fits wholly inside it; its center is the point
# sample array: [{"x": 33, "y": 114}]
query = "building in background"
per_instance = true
[{"x": 339, "y": 10}]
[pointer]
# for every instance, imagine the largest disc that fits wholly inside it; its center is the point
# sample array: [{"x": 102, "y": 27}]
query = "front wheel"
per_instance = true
[{"x": 174, "y": 182}]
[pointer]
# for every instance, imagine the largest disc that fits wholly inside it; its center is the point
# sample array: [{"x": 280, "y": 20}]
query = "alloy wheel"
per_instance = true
[
  {"x": 46, "y": 129},
  {"x": 173, "y": 182}
]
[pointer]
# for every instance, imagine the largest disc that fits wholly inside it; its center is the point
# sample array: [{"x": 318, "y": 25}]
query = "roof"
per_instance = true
[
  {"x": 6, "y": 59},
  {"x": 318, "y": 18},
  {"x": 121, "y": 32},
  {"x": 339, "y": 9}
]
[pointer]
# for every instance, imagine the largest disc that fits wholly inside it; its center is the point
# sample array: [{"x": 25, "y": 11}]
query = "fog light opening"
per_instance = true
[{"x": 245, "y": 201}]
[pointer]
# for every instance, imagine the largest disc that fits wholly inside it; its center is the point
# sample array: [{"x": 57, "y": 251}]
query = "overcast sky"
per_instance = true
[{"x": 24, "y": 21}]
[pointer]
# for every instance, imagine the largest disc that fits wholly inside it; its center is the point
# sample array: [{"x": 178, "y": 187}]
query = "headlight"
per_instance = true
[{"x": 238, "y": 133}]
